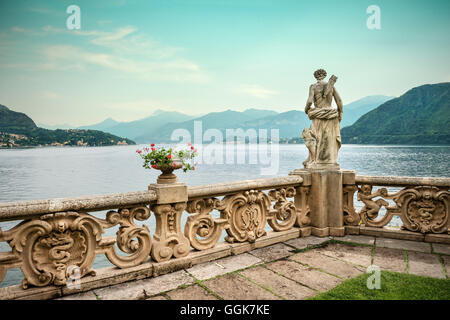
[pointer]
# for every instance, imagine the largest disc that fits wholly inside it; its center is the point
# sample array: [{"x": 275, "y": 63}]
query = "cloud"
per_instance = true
[
  {"x": 66, "y": 57},
  {"x": 257, "y": 91},
  {"x": 124, "y": 50}
]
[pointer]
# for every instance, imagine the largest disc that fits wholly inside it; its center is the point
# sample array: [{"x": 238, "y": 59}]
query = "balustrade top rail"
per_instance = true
[
  {"x": 402, "y": 181},
  {"x": 27, "y": 209}
]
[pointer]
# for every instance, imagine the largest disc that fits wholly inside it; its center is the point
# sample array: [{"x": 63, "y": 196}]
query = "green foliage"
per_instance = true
[
  {"x": 394, "y": 286},
  {"x": 420, "y": 116},
  {"x": 18, "y": 130}
]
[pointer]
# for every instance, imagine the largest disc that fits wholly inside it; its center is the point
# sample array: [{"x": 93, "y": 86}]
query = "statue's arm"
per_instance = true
[
  {"x": 310, "y": 99},
  {"x": 340, "y": 106}
]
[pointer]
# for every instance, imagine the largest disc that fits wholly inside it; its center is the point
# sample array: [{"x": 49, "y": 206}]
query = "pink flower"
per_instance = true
[
  {"x": 139, "y": 151},
  {"x": 195, "y": 150},
  {"x": 153, "y": 149},
  {"x": 189, "y": 144},
  {"x": 146, "y": 149}
]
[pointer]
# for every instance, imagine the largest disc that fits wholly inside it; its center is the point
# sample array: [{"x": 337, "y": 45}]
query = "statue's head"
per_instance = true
[{"x": 320, "y": 74}]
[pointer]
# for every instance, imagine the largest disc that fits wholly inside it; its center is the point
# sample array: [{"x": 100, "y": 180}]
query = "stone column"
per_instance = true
[
  {"x": 325, "y": 200},
  {"x": 168, "y": 239}
]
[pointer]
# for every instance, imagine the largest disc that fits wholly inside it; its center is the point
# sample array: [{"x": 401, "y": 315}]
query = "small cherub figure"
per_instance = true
[
  {"x": 310, "y": 141},
  {"x": 372, "y": 207}
]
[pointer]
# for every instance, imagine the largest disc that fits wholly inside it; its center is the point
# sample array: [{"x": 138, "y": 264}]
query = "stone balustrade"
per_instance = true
[
  {"x": 57, "y": 240},
  {"x": 422, "y": 204}
]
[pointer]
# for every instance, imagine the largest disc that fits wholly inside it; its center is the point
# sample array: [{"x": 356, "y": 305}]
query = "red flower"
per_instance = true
[
  {"x": 139, "y": 151},
  {"x": 174, "y": 165},
  {"x": 153, "y": 166},
  {"x": 153, "y": 149},
  {"x": 146, "y": 149},
  {"x": 192, "y": 147},
  {"x": 169, "y": 156},
  {"x": 152, "y": 145}
]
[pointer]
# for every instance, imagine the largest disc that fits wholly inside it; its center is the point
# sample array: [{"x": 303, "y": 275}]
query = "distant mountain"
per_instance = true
[
  {"x": 420, "y": 116},
  {"x": 12, "y": 120},
  {"x": 353, "y": 111},
  {"x": 228, "y": 119},
  {"x": 103, "y": 126},
  {"x": 290, "y": 124},
  {"x": 19, "y": 130},
  {"x": 141, "y": 127}
]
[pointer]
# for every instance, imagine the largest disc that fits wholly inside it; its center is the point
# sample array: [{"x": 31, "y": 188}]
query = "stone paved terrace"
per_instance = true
[{"x": 294, "y": 270}]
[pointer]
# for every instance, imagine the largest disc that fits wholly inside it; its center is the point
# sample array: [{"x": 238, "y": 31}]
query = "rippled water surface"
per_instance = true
[{"x": 43, "y": 173}]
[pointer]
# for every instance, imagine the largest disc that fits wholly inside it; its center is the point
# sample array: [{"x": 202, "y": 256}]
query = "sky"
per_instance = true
[{"x": 130, "y": 58}]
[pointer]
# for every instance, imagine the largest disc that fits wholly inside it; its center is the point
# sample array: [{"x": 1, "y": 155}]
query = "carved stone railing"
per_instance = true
[
  {"x": 57, "y": 240},
  {"x": 422, "y": 204}
]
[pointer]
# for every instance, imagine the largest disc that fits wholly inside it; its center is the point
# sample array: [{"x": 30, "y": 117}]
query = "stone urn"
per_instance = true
[{"x": 167, "y": 176}]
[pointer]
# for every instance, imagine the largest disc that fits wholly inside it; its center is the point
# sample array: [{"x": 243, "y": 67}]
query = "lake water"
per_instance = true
[{"x": 43, "y": 173}]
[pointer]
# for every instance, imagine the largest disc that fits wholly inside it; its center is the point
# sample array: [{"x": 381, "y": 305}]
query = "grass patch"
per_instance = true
[{"x": 394, "y": 286}]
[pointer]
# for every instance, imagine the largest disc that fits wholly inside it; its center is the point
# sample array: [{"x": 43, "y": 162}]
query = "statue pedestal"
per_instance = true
[{"x": 325, "y": 199}]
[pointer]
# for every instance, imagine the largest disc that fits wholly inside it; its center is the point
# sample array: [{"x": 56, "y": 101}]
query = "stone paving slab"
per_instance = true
[
  {"x": 194, "y": 292},
  {"x": 403, "y": 244},
  {"x": 235, "y": 287},
  {"x": 283, "y": 287},
  {"x": 273, "y": 252},
  {"x": 221, "y": 266},
  {"x": 446, "y": 260},
  {"x": 89, "y": 295},
  {"x": 441, "y": 248},
  {"x": 390, "y": 259},
  {"x": 144, "y": 288},
  {"x": 357, "y": 239},
  {"x": 328, "y": 264},
  {"x": 302, "y": 243},
  {"x": 354, "y": 254},
  {"x": 425, "y": 264},
  {"x": 312, "y": 278}
]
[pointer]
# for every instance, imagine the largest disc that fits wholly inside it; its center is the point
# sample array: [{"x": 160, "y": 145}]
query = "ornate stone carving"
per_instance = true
[
  {"x": 284, "y": 213},
  {"x": 246, "y": 213},
  {"x": 425, "y": 209},
  {"x": 50, "y": 244},
  {"x": 131, "y": 239},
  {"x": 351, "y": 216},
  {"x": 202, "y": 225},
  {"x": 370, "y": 212},
  {"x": 168, "y": 239},
  {"x": 51, "y": 247},
  {"x": 302, "y": 205},
  {"x": 323, "y": 138}
]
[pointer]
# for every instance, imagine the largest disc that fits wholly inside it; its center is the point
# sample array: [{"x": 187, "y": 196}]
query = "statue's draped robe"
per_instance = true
[{"x": 325, "y": 126}]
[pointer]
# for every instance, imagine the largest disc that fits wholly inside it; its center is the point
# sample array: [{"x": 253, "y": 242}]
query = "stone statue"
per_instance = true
[{"x": 323, "y": 138}]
